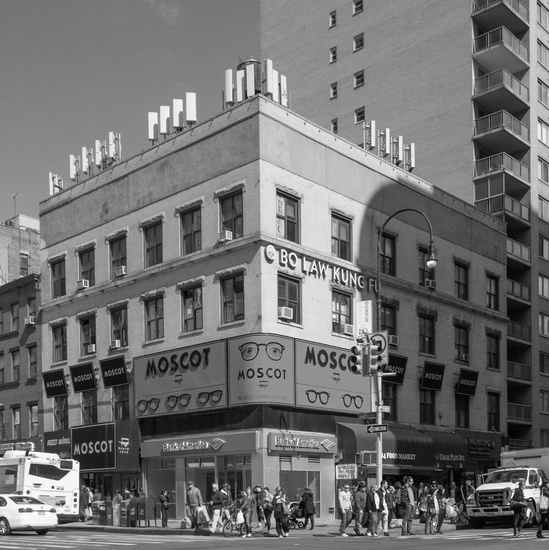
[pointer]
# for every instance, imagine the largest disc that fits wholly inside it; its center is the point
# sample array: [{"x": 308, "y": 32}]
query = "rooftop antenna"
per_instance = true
[
  {"x": 177, "y": 115},
  {"x": 153, "y": 127},
  {"x": 190, "y": 117},
  {"x": 15, "y": 204}
]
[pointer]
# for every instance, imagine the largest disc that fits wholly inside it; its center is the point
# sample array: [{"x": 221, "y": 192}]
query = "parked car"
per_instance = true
[{"x": 24, "y": 513}]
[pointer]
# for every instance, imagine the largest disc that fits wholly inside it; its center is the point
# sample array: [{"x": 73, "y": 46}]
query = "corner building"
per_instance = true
[{"x": 212, "y": 336}]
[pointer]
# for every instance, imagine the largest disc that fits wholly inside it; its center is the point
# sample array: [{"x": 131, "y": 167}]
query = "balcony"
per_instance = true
[
  {"x": 513, "y": 14},
  {"x": 500, "y": 48},
  {"x": 518, "y": 251},
  {"x": 501, "y": 90},
  {"x": 514, "y": 213},
  {"x": 517, "y": 175},
  {"x": 519, "y": 371},
  {"x": 516, "y": 444},
  {"x": 519, "y": 332},
  {"x": 518, "y": 291},
  {"x": 501, "y": 132},
  {"x": 518, "y": 412}
]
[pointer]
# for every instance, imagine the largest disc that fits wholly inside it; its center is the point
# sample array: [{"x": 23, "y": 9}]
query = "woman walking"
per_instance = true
[
  {"x": 267, "y": 508},
  {"x": 281, "y": 510},
  {"x": 543, "y": 505},
  {"x": 308, "y": 507},
  {"x": 518, "y": 506},
  {"x": 243, "y": 503}
]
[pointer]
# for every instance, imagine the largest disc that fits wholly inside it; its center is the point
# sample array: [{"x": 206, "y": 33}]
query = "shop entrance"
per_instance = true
[
  {"x": 237, "y": 471},
  {"x": 295, "y": 482}
]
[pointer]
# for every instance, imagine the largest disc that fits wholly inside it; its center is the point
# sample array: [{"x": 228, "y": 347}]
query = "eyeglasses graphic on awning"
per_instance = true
[
  {"x": 322, "y": 396},
  {"x": 250, "y": 350},
  {"x": 144, "y": 404},
  {"x": 183, "y": 399},
  {"x": 213, "y": 396},
  {"x": 348, "y": 400}
]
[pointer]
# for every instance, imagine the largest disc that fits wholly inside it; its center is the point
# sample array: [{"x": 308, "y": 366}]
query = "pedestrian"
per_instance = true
[
  {"x": 216, "y": 502},
  {"x": 127, "y": 494},
  {"x": 543, "y": 505},
  {"x": 267, "y": 508},
  {"x": 360, "y": 506},
  {"x": 117, "y": 497},
  {"x": 258, "y": 498},
  {"x": 441, "y": 497},
  {"x": 391, "y": 502},
  {"x": 431, "y": 514},
  {"x": 281, "y": 511},
  {"x": 408, "y": 499},
  {"x": 194, "y": 501},
  {"x": 244, "y": 504},
  {"x": 518, "y": 505},
  {"x": 383, "y": 514},
  {"x": 164, "y": 505},
  {"x": 372, "y": 507},
  {"x": 453, "y": 493},
  {"x": 84, "y": 503},
  {"x": 97, "y": 495},
  {"x": 345, "y": 509},
  {"x": 308, "y": 508},
  {"x": 227, "y": 500}
]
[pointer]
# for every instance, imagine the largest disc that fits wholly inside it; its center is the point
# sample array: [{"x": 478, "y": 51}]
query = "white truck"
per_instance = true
[{"x": 491, "y": 499}]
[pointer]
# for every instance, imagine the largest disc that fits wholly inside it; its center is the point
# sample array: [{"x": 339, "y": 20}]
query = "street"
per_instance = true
[{"x": 500, "y": 538}]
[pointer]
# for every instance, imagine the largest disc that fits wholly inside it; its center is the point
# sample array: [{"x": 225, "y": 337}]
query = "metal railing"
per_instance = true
[
  {"x": 504, "y": 203},
  {"x": 518, "y": 290},
  {"x": 502, "y": 161},
  {"x": 519, "y": 370},
  {"x": 520, "y": 251},
  {"x": 516, "y": 330},
  {"x": 516, "y": 5},
  {"x": 502, "y": 119},
  {"x": 502, "y": 76},
  {"x": 502, "y": 36},
  {"x": 516, "y": 411},
  {"x": 515, "y": 443}
]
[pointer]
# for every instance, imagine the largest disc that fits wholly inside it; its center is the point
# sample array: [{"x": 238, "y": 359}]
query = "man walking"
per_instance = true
[
  {"x": 216, "y": 502},
  {"x": 194, "y": 500},
  {"x": 346, "y": 509},
  {"x": 383, "y": 508},
  {"x": 372, "y": 507},
  {"x": 360, "y": 505}
]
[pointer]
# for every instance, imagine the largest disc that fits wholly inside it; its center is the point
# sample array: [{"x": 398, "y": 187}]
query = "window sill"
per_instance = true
[
  {"x": 196, "y": 332},
  {"x": 232, "y": 324},
  {"x": 150, "y": 343},
  {"x": 59, "y": 363}
]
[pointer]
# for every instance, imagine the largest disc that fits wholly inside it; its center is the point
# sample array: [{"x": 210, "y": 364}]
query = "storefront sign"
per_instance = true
[
  {"x": 16, "y": 446},
  {"x": 181, "y": 380},
  {"x": 324, "y": 381},
  {"x": 301, "y": 442},
  {"x": 433, "y": 373},
  {"x": 346, "y": 471},
  {"x": 58, "y": 442},
  {"x": 94, "y": 446},
  {"x": 83, "y": 377},
  {"x": 114, "y": 371},
  {"x": 54, "y": 383},
  {"x": 397, "y": 364},
  {"x": 467, "y": 383},
  {"x": 261, "y": 370}
]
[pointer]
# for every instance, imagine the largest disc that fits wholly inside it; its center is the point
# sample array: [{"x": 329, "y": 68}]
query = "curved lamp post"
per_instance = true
[{"x": 431, "y": 264}]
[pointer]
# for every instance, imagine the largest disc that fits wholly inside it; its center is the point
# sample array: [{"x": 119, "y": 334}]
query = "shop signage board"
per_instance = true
[
  {"x": 346, "y": 471},
  {"x": 433, "y": 374},
  {"x": 83, "y": 377},
  {"x": 303, "y": 443},
  {"x": 467, "y": 382},
  {"x": 396, "y": 365},
  {"x": 54, "y": 383},
  {"x": 114, "y": 371},
  {"x": 58, "y": 442},
  {"x": 94, "y": 446}
]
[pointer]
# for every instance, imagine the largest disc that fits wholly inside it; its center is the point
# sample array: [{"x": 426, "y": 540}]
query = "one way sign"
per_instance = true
[{"x": 376, "y": 428}]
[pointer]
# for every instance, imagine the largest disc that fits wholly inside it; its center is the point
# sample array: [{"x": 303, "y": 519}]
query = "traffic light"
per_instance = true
[
  {"x": 379, "y": 353},
  {"x": 355, "y": 360}
]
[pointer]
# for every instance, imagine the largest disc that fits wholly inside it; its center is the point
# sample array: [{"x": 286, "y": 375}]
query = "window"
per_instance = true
[
  {"x": 492, "y": 351},
  {"x": 333, "y": 90},
  {"x": 232, "y": 215},
  {"x": 16, "y": 416},
  {"x": 153, "y": 244},
  {"x": 543, "y": 93},
  {"x": 14, "y": 316},
  {"x": 333, "y": 54},
  {"x": 89, "y": 407},
  {"x": 543, "y": 132},
  {"x": 543, "y": 16},
  {"x": 59, "y": 343},
  {"x": 289, "y": 295},
  {"x": 287, "y": 217},
  {"x": 61, "y": 412},
  {"x": 357, "y": 6},
  {"x": 389, "y": 395},
  {"x": 543, "y": 211},
  {"x": 1, "y": 320},
  {"x": 87, "y": 265},
  {"x": 544, "y": 324},
  {"x": 122, "y": 402},
  {"x": 15, "y": 365},
  {"x": 332, "y": 19},
  {"x": 33, "y": 361},
  {"x": 334, "y": 125},
  {"x": 33, "y": 420},
  {"x": 192, "y": 308},
  {"x": 31, "y": 306},
  {"x": 87, "y": 335},
  {"x": 387, "y": 257},
  {"x": 341, "y": 238},
  {"x": 58, "y": 278},
  {"x": 492, "y": 292},
  {"x": 2, "y": 369},
  {"x": 191, "y": 228},
  {"x": 341, "y": 311},
  {"x": 154, "y": 318},
  {"x": 359, "y": 115},
  {"x": 119, "y": 325},
  {"x": 358, "y": 42},
  {"x": 544, "y": 438},
  {"x": 462, "y": 411},
  {"x": 424, "y": 272},
  {"x": 388, "y": 319},
  {"x": 358, "y": 79},
  {"x": 543, "y": 248},
  {"x": 543, "y": 285},
  {"x": 426, "y": 406},
  {"x": 232, "y": 299},
  {"x": 543, "y": 171},
  {"x": 426, "y": 335},
  {"x": 544, "y": 401},
  {"x": 544, "y": 363},
  {"x": 543, "y": 54},
  {"x": 461, "y": 343},
  {"x": 118, "y": 254},
  {"x": 23, "y": 264},
  {"x": 2, "y": 424},
  {"x": 461, "y": 281}
]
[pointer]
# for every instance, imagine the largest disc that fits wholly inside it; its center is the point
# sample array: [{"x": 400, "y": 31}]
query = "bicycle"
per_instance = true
[
  {"x": 460, "y": 515},
  {"x": 230, "y": 526}
]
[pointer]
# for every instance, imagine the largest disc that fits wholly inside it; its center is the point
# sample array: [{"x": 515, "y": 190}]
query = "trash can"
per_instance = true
[
  {"x": 102, "y": 512},
  {"x": 123, "y": 513},
  {"x": 132, "y": 512},
  {"x": 109, "y": 511},
  {"x": 95, "y": 512}
]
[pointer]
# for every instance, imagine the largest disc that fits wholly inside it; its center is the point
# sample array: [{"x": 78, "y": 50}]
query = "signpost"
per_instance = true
[{"x": 376, "y": 428}]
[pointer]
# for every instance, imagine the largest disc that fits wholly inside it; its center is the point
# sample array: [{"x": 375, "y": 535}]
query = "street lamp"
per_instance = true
[{"x": 431, "y": 264}]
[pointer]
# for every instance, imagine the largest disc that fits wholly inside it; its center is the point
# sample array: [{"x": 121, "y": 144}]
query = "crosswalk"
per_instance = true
[{"x": 477, "y": 535}]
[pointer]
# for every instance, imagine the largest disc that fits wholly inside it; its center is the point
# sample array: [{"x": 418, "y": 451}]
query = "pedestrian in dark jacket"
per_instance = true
[
  {"x": 281, "y": 507},
  {"x": 164, "y": 505},
  {"x": 308, "y": 507},
  {"x": 373, "y": 506},
  {"x": 518, "y": 510},
  {"x": 543, "y": 505},
  {"x": 216, "y": 502},
  {"x": 244, "y": 504},
  {"x": 361, "y": 517},
  {"x": 258, "y": 499}
]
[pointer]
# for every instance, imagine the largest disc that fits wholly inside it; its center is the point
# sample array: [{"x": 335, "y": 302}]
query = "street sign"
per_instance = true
[
  {"x": 376, "y": 428},
  {"x": 364, "y": 316}
]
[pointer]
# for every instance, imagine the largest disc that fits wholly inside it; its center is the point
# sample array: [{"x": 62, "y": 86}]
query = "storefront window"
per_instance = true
[
  {"x": 294, "y": 481},
  {"x": 160, "y": 477}
]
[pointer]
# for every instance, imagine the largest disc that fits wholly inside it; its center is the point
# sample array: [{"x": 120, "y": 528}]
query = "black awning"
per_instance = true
[{"x": 450, "y": 449}]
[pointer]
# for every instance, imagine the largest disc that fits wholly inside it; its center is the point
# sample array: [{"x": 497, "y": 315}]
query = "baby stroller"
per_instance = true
[{"x": 295, "y": 516}]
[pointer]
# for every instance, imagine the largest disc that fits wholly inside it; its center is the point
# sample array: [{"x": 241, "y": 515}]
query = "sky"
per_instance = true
[{"x": 73, "y": 70}]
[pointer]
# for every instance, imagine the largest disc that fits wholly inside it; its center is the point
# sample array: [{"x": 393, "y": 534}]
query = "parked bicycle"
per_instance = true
[
  {"x": 460, "y": 512},
  {"x": 230, "y": 525}
]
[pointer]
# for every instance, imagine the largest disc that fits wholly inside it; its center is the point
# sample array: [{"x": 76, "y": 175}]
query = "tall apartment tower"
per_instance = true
[{"x": 468, "y": 83}]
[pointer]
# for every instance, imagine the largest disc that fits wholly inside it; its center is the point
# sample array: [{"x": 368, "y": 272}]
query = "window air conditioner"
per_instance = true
[
  {"x": 90, "y": 348},
  {"x": 430, "y": 283},
  {"x": 285, "y": 313},
  {"x": 82, "y": 284},
  {"x": 30, "y": 320},
  {"x": 393, "y": 340},
  {"x": 225, "y": 236},
  {"x": 115, "y": 344},
  {"x": 119, "y": 271},
  {"x": 464, "y": 357},
  {"x": 348, "y": 329}
]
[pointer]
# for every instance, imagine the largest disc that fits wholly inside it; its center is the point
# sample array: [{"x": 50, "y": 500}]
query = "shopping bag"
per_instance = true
[
  {"x": 450, "y": 511},
  {"x": 239, "y": 517},
  {"x": 202, "y": 515}
]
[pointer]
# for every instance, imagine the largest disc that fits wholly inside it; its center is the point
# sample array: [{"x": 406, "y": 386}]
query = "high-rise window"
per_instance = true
[
  {"x": 332, "y": 19},
  {"x": 425, "y": 273},
  {"x": 122, "y": 402},
  {"x": 341, "y": 238},
  {"x": 358, "y": 6},
  {"x": 23, "y": 264},
  {"x": 543, "y": 170},
  {"x": 15, "y": 365},
  {"x": 33, "y": 361},
  {"x": 89, "y": 407},
  {"x": 543, "y": 54},
  {"x": 358, "y": 42},
  {"x": 119, "y": 325},
  {"x": 287, "y": 217},
  {"x": 14, "y": 316},
  {"x": 544, "y": 324},
  {"x": 543, "y": 248},
  {"x": 387, "y": 258},
  {"x": 427, "y": 400},
  {"x": 461, "y": 343},
  {"x": 153, "y": 244},
  {"x": 2, "y": 368},
  {"x": 543, "y": 438},
  {"x": 461, "y": 280},
  {"x": 289, "y": 295},
  {"x": 543, "y": 132},
  {"x": 59, "y": 333},
  {"x": 87, "y": 265},
  {"x": 118, "y": 255},
  {"x": 58, "y": 278},
  {"x": 426, "y": 335},
  {"x": 2, "y": 424},
  {"x": 334, "y": 125},
  {"x": 61, "y": 412},
  {"x": 33, "y": 420},
  {"x": 154, "y": 318},
  {"x": 462, "y": 411},
  {"x": 543, "y": 209},
  {"x": 388, "y": 319},
  {"x": 31, "y": 306},
  {"x": 544, "y": 363},
  {"x": 544, "y": 401},
  {"x": 389, "y": 394},
  {"x": 232, "y": 299},
  {"x": 493, "y": 423},
  {"x": 16, "y": 422},
  {"x": 543, "y": 93},
  {"x": 192, "y": 308},
  {"x": 191, "y": 228},
  {"x": 358, "y": 79},
  {"x": 87, "y": 335},
  {"x": 543, "y": 16},
  {"x": 492, "y": 351},
  {"x": 359, "y": 115},
  {"x": 232, "y": 215},
  {"x": 341, "y": 311},
  {"x": 333, "y": 54},
  {"x": 333, "y": 90},
  {"x": 492, "y": 292},
  {"x": 543, "y": 286}
]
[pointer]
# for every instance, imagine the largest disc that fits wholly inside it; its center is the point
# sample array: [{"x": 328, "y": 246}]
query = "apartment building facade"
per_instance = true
[{"x": 467, "y": 83}]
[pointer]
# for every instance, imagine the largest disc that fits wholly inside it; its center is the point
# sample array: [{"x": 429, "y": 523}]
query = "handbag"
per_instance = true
[
  {"x": 202, "y": 515},
  {"x": 239, "y": 517},
  {"x": 450, "y": 511},
  {"x": 401, "y": 510},
  {"x": 285, "y": 508},
  {"x": 517, "y": 506}
]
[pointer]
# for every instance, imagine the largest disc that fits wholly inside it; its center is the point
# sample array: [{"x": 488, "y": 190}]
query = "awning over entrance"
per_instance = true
[{"x": 450, "y": 449}]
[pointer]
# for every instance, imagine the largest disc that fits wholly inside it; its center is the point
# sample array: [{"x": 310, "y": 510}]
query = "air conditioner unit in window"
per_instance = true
[
  {"x": 115, "y": 344},
  {"x": 285, "y": 313},
  {"x": 119, "y": 271},
  {"x": 393, "y": 340},
  {"x": 225, "y": 236},
  {"x": 82, "y": 284},
  {"x": 348, "y": 329},
  {"x": 90, "y": 348},
  {"x": 430, "y": 283},
  {"x": 30, "y": 320},
  {"x": 464, "y": 357}
]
